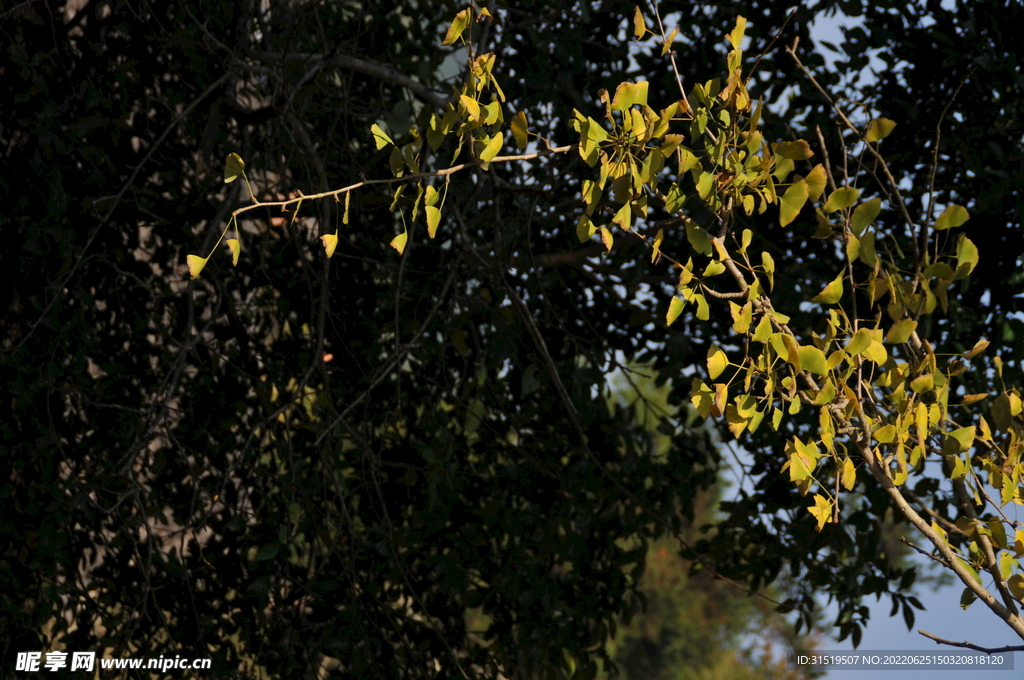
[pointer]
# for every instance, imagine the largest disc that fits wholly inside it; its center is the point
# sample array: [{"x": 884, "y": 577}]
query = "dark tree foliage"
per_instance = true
[{"x": 184, "y": 473}]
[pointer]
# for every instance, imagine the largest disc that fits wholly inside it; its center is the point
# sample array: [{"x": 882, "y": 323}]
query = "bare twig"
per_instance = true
[{"x": 971, "y": 645}]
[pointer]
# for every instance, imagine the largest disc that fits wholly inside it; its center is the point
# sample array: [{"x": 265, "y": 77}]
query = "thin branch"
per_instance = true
[
  {"x": 971, "y": 645},
  {"x": 923, "y": 233},
  {"x": 769, "y": 47},
  {"x": 872, "y": 149},
  {"x": 390, "y": 180}
]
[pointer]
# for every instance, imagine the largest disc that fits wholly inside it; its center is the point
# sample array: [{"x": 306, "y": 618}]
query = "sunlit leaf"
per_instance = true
[
  {"x": 606, "y": 239},
  {"x": 958, "y": 441},
  {"x": 966, "y": 257},
  {"x": 923, "y": 383},
  {"x": 953, "y": 216},
  {"x": 812, "y": 359},
  {"x": 841, "y": 198},
  {"x": 979, "y": 347},
  {"x": 433, "y": 219},
  {"x": 879, "y": 129},
  {"x": 717, "y": 361},
  {"x": 398, "y": 242},
  {"x": 860, "y": 341},
  {"x": 656, "y": 249},
  {"x": 675, "y": 308},
  {"x": 849, "y": 474},
  {"x": 380, "y": 138},
  {"x": 815, "y": 182},
  {"x": 901, "y": 331},
  {"x": 460, "y": 24},
  {"x": 1016, "y": 586},
  {"x": 822, "y": 511},
  {"x": 736, "y": 37},
  {"x": 330, "y": 242},
  {"x": 585, "y": 228},
  {"x": 832, "y": 293},
  {"x": 195, "y": 265},
  {"x": 492, "y": 148},
  {"x": 639, "y": 25},
  {"x": 768, "y": 264},
  {"x": 792, "y": 202},
  {"x": 235, "y": 246},
  {"x": 667, "y": 45}
]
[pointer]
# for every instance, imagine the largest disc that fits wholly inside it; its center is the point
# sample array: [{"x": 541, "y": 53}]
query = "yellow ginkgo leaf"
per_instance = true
[
  {"x": 675, "y": 308},
  {"x": 717, "y": 361},
  {"x": 195, "y": 265},
  {"x": 639, "y": 25},
  {"x": 880, "y": 129},
  {"x": 433, "y": 219},
  {"x": 330, "y": 242},
  {"x": 235, "y": 246},
  {"x": 398, "y": 242},
  {"x": 520, "y": 130},
  {"x": 822, "y": 511}
]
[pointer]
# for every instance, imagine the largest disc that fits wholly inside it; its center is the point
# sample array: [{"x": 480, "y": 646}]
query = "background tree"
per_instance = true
[
  {"x": 694, "y": 626},
  {"x": 188, "y": 476}
]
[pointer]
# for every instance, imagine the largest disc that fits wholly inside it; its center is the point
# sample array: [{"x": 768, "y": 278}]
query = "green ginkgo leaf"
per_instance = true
[
  {"x": 815, "y": 182},
  {"x": 792, "y": 202},
  {"x": 812, "y": 359},
  {"x": 841, "y": 198},
  {"x": 966, "y": 257},
  {"x": 864, "y": 214},
  {"x": 233, "y": 167},
  {"x": 832, "y": 293},
  {"x": 380, "y": 138},
  {"x": 860, "y": 341},
  {"x": 952, "y": 216}
]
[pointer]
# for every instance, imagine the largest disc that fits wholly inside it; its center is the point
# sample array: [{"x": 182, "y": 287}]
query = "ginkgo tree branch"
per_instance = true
[{"x": 446, "y": 172}]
